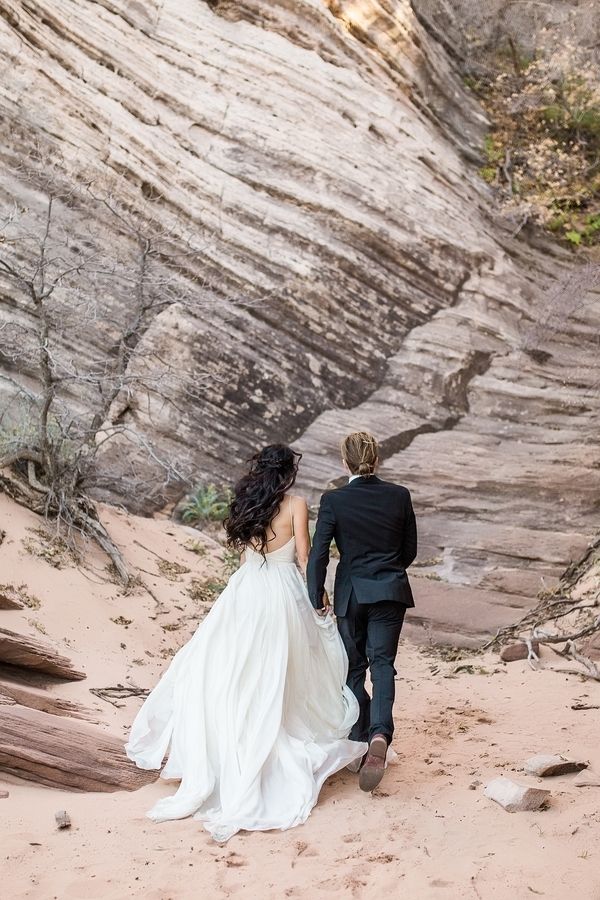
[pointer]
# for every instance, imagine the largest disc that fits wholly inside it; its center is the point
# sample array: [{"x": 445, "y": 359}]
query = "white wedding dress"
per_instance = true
[{"x": 255, "y": 706}]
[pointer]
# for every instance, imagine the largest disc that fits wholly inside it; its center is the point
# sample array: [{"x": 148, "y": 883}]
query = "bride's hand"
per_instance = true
[{"x": 326, "y": 605}]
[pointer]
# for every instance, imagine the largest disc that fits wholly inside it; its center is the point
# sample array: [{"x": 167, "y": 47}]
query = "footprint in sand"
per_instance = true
[
  {"x": 234, "y": 861},
  {"x": 382, "y": 858},
  {"x": 345, "y": 886},
  {"x": 231, "y": 860},
  {"x": 304, "y": 849},
  {"x": 351, "y": 838}
]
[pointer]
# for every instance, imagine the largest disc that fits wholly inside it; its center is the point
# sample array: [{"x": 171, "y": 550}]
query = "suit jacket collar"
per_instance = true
[{"x": 364, "y": 479}]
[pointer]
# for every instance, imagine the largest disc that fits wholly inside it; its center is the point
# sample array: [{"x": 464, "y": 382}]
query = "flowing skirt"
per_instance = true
[{"x": 254, "y": 708}]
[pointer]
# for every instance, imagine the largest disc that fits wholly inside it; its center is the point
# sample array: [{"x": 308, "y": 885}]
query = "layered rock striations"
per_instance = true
[
  {"x": 325, "y": 199},
  {"x": 323, "y": 154}
]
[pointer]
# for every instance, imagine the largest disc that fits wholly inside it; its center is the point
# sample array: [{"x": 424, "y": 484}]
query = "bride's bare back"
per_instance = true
[{"x": 290, "y": 521}]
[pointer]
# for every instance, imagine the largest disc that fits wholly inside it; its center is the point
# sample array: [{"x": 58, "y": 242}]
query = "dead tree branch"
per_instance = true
[{"x": 60, "y": 413}]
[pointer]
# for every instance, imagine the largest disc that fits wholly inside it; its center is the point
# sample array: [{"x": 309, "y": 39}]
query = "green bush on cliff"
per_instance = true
[{"x": 542, "y": 153}]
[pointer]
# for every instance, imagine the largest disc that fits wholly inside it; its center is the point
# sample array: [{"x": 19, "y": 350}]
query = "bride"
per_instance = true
[{"x": 254, "y": 711}]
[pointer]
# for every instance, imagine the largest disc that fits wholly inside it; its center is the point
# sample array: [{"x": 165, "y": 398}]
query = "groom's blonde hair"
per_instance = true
[{"x": 360, "y": 452}]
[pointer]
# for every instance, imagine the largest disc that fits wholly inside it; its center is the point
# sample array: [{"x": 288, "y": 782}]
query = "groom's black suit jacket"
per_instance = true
[{"x": 373, "y": 524}]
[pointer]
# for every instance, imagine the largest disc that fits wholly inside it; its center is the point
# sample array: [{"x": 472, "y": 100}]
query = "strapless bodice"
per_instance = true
[{"x": 283, "y": 554}]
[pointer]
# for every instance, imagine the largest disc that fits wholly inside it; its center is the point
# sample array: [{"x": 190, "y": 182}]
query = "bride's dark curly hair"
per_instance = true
[{"x": 258, "y": 495}]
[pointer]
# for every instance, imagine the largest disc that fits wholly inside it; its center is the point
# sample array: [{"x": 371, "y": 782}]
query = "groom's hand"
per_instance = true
[{"x": 326, "y": 605}]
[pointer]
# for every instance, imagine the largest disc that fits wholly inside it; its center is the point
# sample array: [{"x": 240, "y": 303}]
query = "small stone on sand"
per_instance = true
[
  {"x": 63, "y": 820},
  {"x": 515, "y": 797},
  {"x": 544, "y": 765},
  {"x": 513, "y": 652}
]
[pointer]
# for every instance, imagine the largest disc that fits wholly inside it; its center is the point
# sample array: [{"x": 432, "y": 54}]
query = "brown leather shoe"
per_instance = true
[{"x": 373, "y": 767}]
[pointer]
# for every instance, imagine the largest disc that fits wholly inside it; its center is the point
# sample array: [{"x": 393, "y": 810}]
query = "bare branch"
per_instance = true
[
  {"x": 22, "y": 455},
  {"x": 52, "y": 445}
]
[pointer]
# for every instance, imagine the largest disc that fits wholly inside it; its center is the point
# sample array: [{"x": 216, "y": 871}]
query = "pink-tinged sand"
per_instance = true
[{"x": 424, "y": 834}]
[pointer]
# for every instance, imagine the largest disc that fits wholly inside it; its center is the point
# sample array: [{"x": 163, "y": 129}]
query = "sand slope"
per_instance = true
[{"x": 424, "y": 834}]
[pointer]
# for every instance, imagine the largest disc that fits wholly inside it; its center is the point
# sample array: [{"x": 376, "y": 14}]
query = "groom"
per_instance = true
[{"x": 373, "y": 524}]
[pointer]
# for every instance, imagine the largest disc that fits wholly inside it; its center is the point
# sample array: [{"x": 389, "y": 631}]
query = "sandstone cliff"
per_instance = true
[{"x": 325, "y": 156}]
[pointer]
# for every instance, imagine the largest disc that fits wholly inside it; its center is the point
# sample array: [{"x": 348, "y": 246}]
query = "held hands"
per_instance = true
[{"x": 326, "y": 605}]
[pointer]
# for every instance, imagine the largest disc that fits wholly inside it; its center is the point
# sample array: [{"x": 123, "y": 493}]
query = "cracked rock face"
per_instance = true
[{"x": 326, "y": 154}]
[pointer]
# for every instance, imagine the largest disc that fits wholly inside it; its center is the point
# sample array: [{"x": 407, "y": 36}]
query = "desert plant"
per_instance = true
[
  {"x": 196, "y": 547},
  {"x": 206, "y": 503},
  {"x": 231, "y": 562},
  {"x": 574, "y": 111},
  {"x": 533, "y": 65},
  {"x": 543, "y": 152},
  {"x": 204, "y": 591}
]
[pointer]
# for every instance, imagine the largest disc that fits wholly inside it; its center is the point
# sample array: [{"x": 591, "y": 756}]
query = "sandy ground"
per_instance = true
[{"x": 427, "y": 832}]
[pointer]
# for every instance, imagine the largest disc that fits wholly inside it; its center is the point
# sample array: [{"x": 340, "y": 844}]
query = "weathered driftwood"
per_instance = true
[
  {"x": 79, "y": 511},
  {"x": 30, "y": 653},
  {"x": 11, "y": 694},
  {"x": 112, "y": 695},
  {"x": 9, "y": 598},
  {"x": 63, "y": 753},
  {"x": 567, "y": 615}
]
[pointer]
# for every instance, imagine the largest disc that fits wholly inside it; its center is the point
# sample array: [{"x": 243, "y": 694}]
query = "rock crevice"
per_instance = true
[{"x": 355, "y": 273}]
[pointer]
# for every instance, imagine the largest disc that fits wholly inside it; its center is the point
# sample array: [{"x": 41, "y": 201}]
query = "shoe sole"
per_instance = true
[{"x": 370, "y": 776}]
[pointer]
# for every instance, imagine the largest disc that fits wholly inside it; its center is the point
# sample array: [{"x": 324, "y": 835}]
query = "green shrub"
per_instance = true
[
  {"x": 488, "y": 173},
  {"x": 494, "y": 151},
  {"x": 231, "y": 562},
  {"x": 542, "y": 155},
  {"x": 206, "y": 504},
  {"x": 585, "y": 232}
]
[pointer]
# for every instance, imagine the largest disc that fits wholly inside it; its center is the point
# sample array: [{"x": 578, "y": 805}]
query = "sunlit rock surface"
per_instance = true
[{"x": 325, "y": 154}]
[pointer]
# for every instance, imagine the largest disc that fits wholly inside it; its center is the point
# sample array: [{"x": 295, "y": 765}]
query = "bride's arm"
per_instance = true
[{"x": 300, "y": 515}]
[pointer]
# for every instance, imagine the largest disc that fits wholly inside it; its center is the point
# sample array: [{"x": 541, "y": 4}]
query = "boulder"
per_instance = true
[
  {"x": 30, "y": 653},
  {"x": 11, "y": 694},
  {"x": 62, "y": 753},
  {"x": 9, "y": 598}
]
